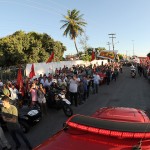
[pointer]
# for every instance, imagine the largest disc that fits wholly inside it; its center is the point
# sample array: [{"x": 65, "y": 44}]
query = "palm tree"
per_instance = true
[{"x": 73, "y": 24}]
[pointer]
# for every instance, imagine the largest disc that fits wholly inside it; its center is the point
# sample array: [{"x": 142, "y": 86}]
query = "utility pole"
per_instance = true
[
  {"x": 108, "y": 43},
  {"x": 112, "y": 37}
]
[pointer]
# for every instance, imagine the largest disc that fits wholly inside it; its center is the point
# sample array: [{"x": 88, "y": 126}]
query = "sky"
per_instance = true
[{"x": 129, "y": 20}]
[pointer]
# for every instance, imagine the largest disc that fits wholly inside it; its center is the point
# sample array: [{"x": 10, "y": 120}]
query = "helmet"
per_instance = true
[{"x": 54, "y": 81}]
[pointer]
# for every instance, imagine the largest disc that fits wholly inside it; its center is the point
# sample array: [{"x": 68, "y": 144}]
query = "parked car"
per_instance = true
[{"x": 115, "y": 128}]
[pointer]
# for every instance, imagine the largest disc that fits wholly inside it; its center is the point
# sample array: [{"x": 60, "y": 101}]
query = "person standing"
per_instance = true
[
  {"x": 3, "y": 141},
  {"x": 41, "y": 98},
  {"x": 13, "y": 94},
  {"x": 73, "y": 87},
  {"x": 96, "y": 82},
  {"x": 1, "y": 84},
  {"x": 81, "y": 92},
  {"x": 10, "y": 115},
  {"x": 5, "y": 90},
  {"x": 108, "y": 75},
  {"x": 33, "y": 92},
  {"x": 85, "y": 83}
]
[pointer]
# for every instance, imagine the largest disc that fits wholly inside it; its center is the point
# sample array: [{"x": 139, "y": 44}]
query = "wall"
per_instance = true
[{"x": 43, "y": 68}]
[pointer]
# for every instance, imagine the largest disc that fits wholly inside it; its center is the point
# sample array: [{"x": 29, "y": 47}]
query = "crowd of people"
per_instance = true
[{"x": 78, "y": 82}]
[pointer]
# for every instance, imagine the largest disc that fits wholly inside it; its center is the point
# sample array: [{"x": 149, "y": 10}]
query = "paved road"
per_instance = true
[{"x": 125, "y": 92}]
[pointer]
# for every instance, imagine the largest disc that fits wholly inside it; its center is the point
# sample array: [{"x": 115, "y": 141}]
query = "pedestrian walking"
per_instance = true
[{"x": 10, "y": 115}]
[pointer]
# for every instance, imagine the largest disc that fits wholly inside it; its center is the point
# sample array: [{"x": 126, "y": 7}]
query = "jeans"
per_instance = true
[
  {"x": 3, "y": 140},
  {"x": 14, "y": 132},
  {"x": 96, "y": 87},
  {"x": 73, "y": 97}
]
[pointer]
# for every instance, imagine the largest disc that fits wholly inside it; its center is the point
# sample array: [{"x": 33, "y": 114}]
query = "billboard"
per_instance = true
[{"x": 107, "y": 54}]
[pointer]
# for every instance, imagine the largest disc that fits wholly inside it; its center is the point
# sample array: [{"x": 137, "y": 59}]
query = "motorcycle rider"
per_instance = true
[
  {"x": 132, "y": 67},
  {"x": 52, "y": 89},
  {"x": 133, "y": 71}
]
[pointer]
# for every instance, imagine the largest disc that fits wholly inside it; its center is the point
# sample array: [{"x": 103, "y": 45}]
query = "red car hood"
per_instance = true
[
  {"x": 83, "y": 132},
  {"x": 121, "y": 114}
]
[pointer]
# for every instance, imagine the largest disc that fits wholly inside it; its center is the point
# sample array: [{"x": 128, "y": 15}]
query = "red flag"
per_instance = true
[
  {"x": 93, "y": 56},
  {"x": 50, "y": 58},
  {"x": 32, "y": 72},
  {"x": 19, "y": 78}
]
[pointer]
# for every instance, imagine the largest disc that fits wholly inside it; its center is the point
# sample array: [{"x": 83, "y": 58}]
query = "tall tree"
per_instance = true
[
  {"x": 32, "y": 47},
  {"x": 73, "y": 24}
]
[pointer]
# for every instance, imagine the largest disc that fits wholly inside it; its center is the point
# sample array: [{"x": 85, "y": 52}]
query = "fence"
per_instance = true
[{"x": 10, "y": 73}]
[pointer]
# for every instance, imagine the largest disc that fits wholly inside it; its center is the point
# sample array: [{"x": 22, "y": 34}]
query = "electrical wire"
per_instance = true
[{"x": 32, "y": 6}]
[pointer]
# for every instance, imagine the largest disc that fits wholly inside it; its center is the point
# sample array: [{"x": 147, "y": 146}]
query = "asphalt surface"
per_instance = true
[{"x": 125, "y": 92}]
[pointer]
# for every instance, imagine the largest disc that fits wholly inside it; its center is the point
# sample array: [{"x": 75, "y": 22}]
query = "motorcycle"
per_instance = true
[
  {"x": 56, "y": 99},
  {"x": 27, "y": 116},
  {"x": 133, "y": 73}
]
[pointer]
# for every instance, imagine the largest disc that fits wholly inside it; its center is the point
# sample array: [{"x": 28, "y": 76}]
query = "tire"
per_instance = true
[
  {"x": 24, "y": 126},
  {"x": 67, "y": 110}
]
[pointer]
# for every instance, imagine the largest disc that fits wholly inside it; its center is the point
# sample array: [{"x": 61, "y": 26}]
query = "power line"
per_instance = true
[
  {"x": 108, "y": 43},
  {"x": 29, "y": 5}
]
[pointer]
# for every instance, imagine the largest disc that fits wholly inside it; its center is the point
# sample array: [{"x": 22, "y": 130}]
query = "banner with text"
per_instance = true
[{"x": 107, "y": 54}]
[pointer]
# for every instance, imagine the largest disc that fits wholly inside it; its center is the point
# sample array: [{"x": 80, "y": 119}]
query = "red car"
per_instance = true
[{"x": 110, "y": 128}]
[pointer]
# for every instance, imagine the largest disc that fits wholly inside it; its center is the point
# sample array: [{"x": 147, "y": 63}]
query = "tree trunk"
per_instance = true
[{"x": 76, "y": 46}]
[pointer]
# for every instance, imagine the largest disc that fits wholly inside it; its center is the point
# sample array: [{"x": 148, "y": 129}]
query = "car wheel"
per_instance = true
[{"x": 67, "y": 110}]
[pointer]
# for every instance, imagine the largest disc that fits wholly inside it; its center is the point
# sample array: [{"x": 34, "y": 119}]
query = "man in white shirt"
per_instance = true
[
  {"x": 13, "y": 94},
  {"x": 96, "y": 82},
  {"x": 73, "y": 87},
  {"x": 44, "y": 81}
]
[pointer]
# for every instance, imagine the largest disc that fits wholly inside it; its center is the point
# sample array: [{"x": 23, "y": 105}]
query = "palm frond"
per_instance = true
[{"x": 73, "y": 24}]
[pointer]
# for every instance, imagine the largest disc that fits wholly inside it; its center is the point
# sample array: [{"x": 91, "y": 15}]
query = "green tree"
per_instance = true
[
  {"x": 120, "y": 56},
  {"x": 73, "y": 24},
  {"x": 148, "y": 55},
  {"x": 32, "y": 47},
  {"x": 83, "y": 41}
]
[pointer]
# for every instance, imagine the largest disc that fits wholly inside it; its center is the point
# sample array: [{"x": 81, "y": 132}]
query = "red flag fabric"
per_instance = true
[
  {"x": 93, "y": 56},
  {"x": 50, "y": 58},
  {"x": 32, "y": 72},
  {"x": 19, "y": 78}
]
